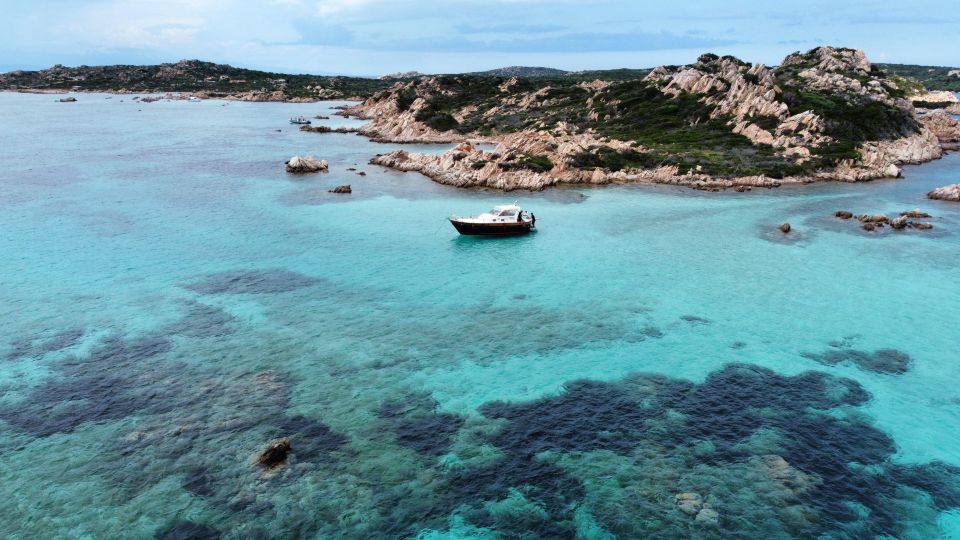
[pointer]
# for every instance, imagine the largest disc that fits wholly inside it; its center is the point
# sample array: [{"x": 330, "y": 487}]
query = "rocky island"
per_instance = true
[
  {"x": 192, "y": 77},
  {"x": 826, "y": 114}
]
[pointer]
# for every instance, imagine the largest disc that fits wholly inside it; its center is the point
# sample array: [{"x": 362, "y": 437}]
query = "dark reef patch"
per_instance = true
[
  {"x": 880, "y": 361},
  {"x": 418, "y": 426},
  {"x": 198, "y": 482},
  {"x": 693, "y": 319},
  {"x": 115, "y": 381},
  {"x": 429, "y": 434},
  {"x": 786, "y": 436},
  {"x": 588, "y": 415},
  {"x": 262, "y": 281},
  {"x": 310, "y": 439},
  {"x": 187, "y": 530},
  {"x": 202, "y": 320},
  {"x": 40, "y": 345},
  {"x": 651, "y": 332}
]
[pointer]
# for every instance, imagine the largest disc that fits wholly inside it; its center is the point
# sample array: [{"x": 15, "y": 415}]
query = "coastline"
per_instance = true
[
  {"x": 468, "y": 166},
  {"x": 577, "y": 145},
  {"x": 254, "y": 96}
]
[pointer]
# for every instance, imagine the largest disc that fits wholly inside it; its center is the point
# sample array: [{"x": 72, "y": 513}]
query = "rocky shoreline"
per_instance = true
[{"x": 747, "y": 96}]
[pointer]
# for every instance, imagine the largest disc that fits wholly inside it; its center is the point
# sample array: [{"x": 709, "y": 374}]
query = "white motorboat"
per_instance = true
[{"x": 506, "y": 219}]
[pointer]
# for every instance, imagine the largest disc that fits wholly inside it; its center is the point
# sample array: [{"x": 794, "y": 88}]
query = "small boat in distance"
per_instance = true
[
  {"x": 299, "y": 120},
  {"x": 503, "y": 220}
]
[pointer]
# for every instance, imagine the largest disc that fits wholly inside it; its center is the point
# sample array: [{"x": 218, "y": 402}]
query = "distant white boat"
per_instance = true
[
  {"x": 70, "y": 99},
  {"x": 299, "y": 120}
]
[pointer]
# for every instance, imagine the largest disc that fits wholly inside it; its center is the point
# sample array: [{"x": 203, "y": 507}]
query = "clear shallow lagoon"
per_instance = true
[{"x": 171, "y": 301}]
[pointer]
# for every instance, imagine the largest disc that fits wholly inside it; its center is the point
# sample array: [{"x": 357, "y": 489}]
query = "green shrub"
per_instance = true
[
  {"x": 528, "y": 162},
  {"x": 405, "y": 98}
]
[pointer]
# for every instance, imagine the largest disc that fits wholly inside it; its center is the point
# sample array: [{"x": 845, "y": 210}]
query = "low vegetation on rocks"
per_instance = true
[{"x": 826, "y": 114}]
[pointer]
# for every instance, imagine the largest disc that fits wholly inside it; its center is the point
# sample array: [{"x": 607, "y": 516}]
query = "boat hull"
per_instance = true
[{"x": 492, "y": 229}]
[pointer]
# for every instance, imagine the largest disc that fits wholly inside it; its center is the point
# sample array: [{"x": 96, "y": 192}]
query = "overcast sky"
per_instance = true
[{"x": 371, "y": 37}]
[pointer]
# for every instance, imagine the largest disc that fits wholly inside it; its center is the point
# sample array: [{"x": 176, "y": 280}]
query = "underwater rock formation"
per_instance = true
[
  {"x": 43, "y": 344},
  {"x": 880, "y": 361},
  {"x": 258, "y": 281},
  {"x": 715, "y": 437}
]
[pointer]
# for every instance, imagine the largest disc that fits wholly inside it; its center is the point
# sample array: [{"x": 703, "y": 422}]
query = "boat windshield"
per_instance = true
[{"x": 508, "y": 213}]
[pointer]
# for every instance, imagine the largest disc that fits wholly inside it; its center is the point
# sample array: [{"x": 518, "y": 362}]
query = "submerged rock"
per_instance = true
[
  {"x": 843, "y": 214},
  {"x": 877, "y": 218},
  {"x": 707, "y": 516},
  {"x": 869, "y": 226},
  {"x": 946, "y": 193},
  {"x": 342, "y": 189},
  {"x": 689, "y": 503},
  {"x": 274, "y": 455},
  {"x": 785, "y": 228},
  {"x": 794, "y": 480},
  {"x": 899, "y": 222},
  {"x": 306, "y": 164}
]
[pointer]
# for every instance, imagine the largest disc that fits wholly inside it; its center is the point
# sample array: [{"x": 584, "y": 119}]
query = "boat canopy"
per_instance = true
[{"x": 505, "y": 210}]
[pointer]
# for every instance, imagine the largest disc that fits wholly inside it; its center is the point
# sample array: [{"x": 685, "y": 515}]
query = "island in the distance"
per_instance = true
[{"x": 826, "y": 114}]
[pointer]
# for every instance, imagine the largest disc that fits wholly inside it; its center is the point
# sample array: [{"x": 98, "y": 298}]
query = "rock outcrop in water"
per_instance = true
[
  {"x": 822, "y": 115},
  {"x": 306, "y": 164},
  {"x": 274, "y": 455},
  {"x": 946, "y": 193}
]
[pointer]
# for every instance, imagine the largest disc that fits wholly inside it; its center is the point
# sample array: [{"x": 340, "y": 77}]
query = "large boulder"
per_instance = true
[
  {"x": 306, "y": 164},
  {"x": 946, "y": 193},
  {"x": 342, "y": 189}
]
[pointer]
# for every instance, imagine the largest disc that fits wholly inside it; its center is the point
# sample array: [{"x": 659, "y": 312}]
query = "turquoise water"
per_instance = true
[{"x": 171, "y": 301}]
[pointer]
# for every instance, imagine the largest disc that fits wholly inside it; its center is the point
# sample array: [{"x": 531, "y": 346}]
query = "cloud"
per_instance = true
[
  {"x": 565, "y": 42},
  {"x": 325, "y": 8},
  {"x": 509, "y": 28}
]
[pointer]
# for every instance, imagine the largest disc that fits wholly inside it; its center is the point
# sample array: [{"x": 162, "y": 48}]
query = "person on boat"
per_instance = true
[
  {"x": 519, "y": 217},
  {"x": 533, "y": 219}
]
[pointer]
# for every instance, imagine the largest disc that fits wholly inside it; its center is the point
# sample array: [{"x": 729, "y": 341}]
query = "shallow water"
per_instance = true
[{"x": 171, "y": 301}]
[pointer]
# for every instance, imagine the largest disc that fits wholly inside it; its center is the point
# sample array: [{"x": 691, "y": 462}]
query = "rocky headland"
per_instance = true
[{"x": 823, "y": 115}]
